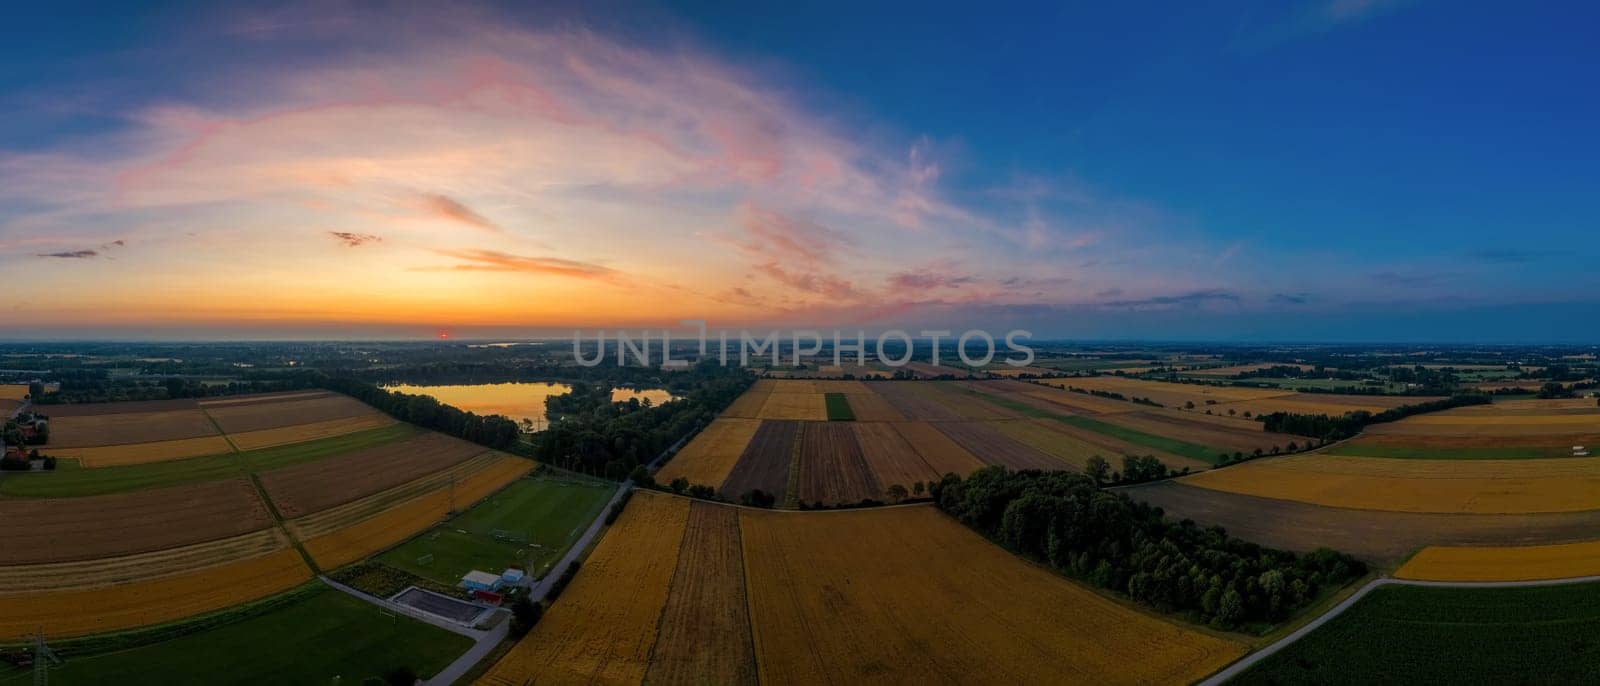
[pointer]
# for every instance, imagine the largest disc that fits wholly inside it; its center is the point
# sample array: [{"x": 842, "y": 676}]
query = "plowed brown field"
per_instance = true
[
  {"x": 128, "y": 427},
  {"x": 832, "y": 469},
  {"x": 257, "y": 416},
  {"x": 60, "y": 530},
  {"x": 945, "y": 456},
  {"x": 765, "y": 463},
  {"x": 313, "y": 486},
  {"x": 892, "y": 459},
  {"x": 996, "y": 448}
]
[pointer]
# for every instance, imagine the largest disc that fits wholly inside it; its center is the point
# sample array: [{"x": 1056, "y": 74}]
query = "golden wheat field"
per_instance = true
[
  {"x": 784, "y": 405},
  {"x": 604, "y": 625},
  {"x": 1503, "y": 563},
  {"x": 142, "y": 603},
  {"x": 1169, "y": 394},
  {"x": 1441, "y": 486},
  {"x": 144, "y": 453},
  {"x": 704, "y": 635},
  {"x": 908, "y": 595},
  {"x": 711, "y": 455},
  {"x": 353, "y": 531},
  {"x": 748, "y": 404},
  {"x": 13, "y": 391},
  {"x": 300, "y": 433}
]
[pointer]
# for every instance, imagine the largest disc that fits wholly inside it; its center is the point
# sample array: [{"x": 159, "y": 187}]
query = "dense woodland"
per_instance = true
[
  {"x": 1066, "y": 521},
  {"x": 591, "y": 434}
]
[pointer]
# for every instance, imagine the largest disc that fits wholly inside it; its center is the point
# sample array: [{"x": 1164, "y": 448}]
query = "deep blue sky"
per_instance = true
[{"x": 1350, "y": 169}]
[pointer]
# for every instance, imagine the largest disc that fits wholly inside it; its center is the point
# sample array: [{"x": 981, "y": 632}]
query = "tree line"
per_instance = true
[
  {"x": 494, "y": 431},
  {"x": 1330, "y": 428},
  {"x": 1065, "y": 521}
]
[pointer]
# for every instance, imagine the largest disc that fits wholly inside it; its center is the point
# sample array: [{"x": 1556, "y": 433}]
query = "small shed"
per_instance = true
[
  {"x": 511, "y": 577},
  {"x": 479, "y": 581}
]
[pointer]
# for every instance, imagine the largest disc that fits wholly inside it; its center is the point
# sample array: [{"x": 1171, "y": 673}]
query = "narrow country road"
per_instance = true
[{"x": 1250, "y": 660}]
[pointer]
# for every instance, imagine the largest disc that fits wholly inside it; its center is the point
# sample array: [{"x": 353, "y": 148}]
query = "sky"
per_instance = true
[{"x": 1333, "y": 170}]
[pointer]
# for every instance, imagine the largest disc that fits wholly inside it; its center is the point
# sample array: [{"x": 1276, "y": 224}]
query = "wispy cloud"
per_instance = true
[
  {"x": 445, "y": 207},
  {"x": 1179, "y": 300},
  {"x": 495, "y": 261},
  {"x": 355, "y": 240},
  {"x": 71, "y": 254},
  {"x": 1291, "y": 298}
]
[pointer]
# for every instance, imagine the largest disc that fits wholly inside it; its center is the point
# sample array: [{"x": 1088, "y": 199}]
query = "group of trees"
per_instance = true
[
  {"x": 1066, "y": 521},
  {"x": 591, "y": 434},
  {"x": 1329, "y": 428},
  {"x": 92, "y": 388},
  {"x": 1135, "y": 469}
]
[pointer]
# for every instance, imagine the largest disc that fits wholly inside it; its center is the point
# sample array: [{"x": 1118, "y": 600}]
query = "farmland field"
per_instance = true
[
  {"x": 941, "y": 453},
  {"x": 144, "y": 453},
  {"x": 1499, "y": 563},
  {"x": 790, "y": 405},
  {"x": 126, "y": 523},
  {"x": 1374, "y": 535},
  {"x": 314, "y": 486},
  {"x": 994, "y": 447},
  {"x": 274, "y": 413},
  {"x": 912, "y": 404},
  {"x": 604, "y": 625},
  {"x": 845, "y": 596},
  {"x": 78, "y": 611},
  {"x": 1404, "y": 634},
  {"x": 128, "y": 427},
  {"x": 868, "y": 406},
  {"x": 705, "y": 626},
  {"x": 832, "y": 468},
  {"x": 537, "y": 519},
  {"x": 764, "y": 465},
  {"x": 81, "y": 482},
  {"x": 268, "y": 438},
  {"x": 712, "y": 454},
  {"x": 1477, "y": 486},
  {"x": 892, "y": 459},
  {"x": 327, "y": 633}
]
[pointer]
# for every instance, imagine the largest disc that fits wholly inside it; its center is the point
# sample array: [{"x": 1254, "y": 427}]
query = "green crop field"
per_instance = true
[
  {"x": 311, "y": 640},
  {"x": 1412, "y": 634},
  {"x": 839, "y": 408},
  {"x": 74, "y": 481},
  {"x": 538, "y": 518},
  {"x": 1171, "y": 445},
  {"x": 1434, "y": 453}
]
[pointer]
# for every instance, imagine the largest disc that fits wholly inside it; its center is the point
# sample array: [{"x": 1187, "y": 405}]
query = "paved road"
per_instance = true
[{"x": 1250, "y": 660}]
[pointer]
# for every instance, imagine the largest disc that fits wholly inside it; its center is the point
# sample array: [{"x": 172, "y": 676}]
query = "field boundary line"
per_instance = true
[{"x": 1248, "y": 661}]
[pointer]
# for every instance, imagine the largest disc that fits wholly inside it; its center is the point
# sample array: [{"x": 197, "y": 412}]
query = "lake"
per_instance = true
[{"x": 516, "y": 400}]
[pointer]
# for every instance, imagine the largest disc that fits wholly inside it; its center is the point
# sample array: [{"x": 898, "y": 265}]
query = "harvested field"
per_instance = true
[
  {"x": 1384, "y": 537},
  {"x": 1319, "y": 403},
  {"x": 1111, "y": 447},
  {"x": 1042, "y": 435},
  {"x": 891, "y": 458},
  {"x": 1147, "y": 441},
  {"x": 145, "y": 453},
  {"x": 832, "y": 468},
  {"x": 1168, "y": 394},
  {"x": 128, "y": 427},
  {"x": 913, "y": 404},
  {"x": 803, "y": 386},
  {"x": 909, "y": 595},
  {"x": 765, "y": 463},
  {"x": 925, "y": 370},
  {"x": 256, "y": 416},
  {"x": 850, "y": 387},
  {"x": 604, "y": 626},
  {"x": 106, "y": 571},
  {"x": 98, "y": 409},
  {"x": 258, "y": 398},
  {"x": 7, "y": 406},
  {"x": 942, "y": 454},
  {"x": 61, "y": 530},
  {"x": 967, "y": 403},
  {"x": 748, "y": 404},
  {"x": 712, "y": 454},
  {"x": 356, "y": 530},
  {"x": 300, "y": 433},
  {"x": 1218, "y": 417},
  {"x": 704, "y": 635},
  {"x": 1079, "y": 403},
  {"x": 1376, "y": 435},
  {"x": 781, "y": 405},
  {"x": 1200, "y": 432},
  {"x": 1522, "y": 563},
  {"x": 142, "y": 603},
  {"x": 871, "y": 407},
  {"x": 1477, "y": 486},
  {"x": 13, "y": 391},
  {"x": 314, "y": 486},
  {"x": 996, "y": 448}
]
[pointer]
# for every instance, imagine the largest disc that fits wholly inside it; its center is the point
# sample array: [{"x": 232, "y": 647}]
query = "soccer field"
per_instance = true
[
  {"x": 530, "y": 523},
  {"x": 311, "y": 640}
]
